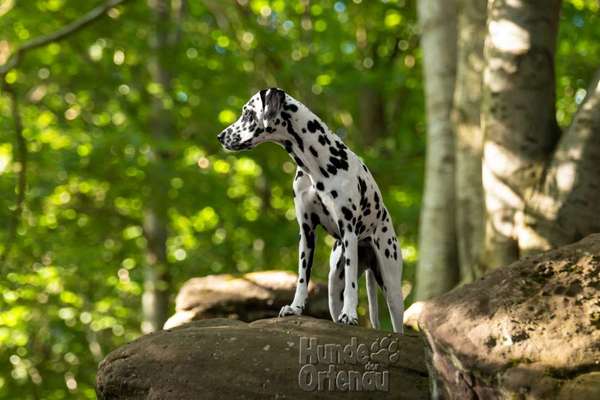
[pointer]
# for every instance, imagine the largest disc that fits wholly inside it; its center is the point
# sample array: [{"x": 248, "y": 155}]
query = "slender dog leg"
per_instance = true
[
  {"x": 306, "y": 250},
  {"x": 336, "y": 280},
  {"x": 349, "y": 315},
  {"x": 372, "y": 296},
  {"x": 390, "y": 268}
]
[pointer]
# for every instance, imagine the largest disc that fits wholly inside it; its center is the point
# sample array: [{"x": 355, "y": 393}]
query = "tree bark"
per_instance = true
[
  {"x": 438, "y": 271},
  {"x": 372, "y": 115},
  {"x": 157, "y": 282},
  {"x": 566, "y": 208},
  {"x": 519, "y": 121},
  {"x": 470, "y": 208}
]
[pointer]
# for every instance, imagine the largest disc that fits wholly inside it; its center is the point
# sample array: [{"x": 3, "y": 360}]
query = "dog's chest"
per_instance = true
[
  {"x": 316, "y": 208},
  {"x": 338, "y": 202}
]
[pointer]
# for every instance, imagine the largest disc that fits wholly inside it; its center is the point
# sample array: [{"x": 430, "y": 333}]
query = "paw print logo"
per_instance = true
[
  {"x": 385, "y": 351},
  {"x": 371, "y": 366}
]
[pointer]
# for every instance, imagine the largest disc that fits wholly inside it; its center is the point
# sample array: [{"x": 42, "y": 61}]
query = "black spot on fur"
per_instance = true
[
  {"x": 360, "y": 227},
  {"x": 314, "y": 218},
  {"x": 320, "y": 186},
  {"x": 323, "y": 208},
  {"x": 290, "y": 107},
  {"x": 347, "y": 213},
  {"x": 339, "y": 163},
  {"x": 324, "y": 140},
  {"x": 341, "y": 227},
  {"x": 306, "y": 229},
  {"x": 258, "y": 132},
  {"x": 314, "y": 126},
  {"x": 331, "y": 169},
  {"x": 377, "y": 273},
  {"x": 384, "y": 215},
  {"x": 290, "y": 129}
]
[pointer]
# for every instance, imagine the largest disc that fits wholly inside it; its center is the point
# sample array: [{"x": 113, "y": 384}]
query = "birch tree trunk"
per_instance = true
[
  {"x": 470, "y": 208},
  {"x": 157, "y": 282},
  {"x": 518, "y": 116},
  {"x": 566, "y": 207},
  {"x": 437, "y": 271}
]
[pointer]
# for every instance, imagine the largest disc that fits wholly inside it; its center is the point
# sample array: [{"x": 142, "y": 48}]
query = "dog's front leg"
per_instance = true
[
  {"x": 349, "y": 315},
  {"x": 306, "y": 250}
]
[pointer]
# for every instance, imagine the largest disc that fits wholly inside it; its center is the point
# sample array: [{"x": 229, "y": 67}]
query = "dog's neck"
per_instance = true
[{"x": 308, "y": 141}]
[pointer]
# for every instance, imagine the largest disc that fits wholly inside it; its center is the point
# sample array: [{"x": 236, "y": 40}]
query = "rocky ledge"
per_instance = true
[
  {"x": 286, "y": 358},
  {"x": 527, "y": 331}
]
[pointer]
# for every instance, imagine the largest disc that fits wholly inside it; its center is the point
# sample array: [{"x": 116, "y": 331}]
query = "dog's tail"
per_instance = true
[{"x": 372, "y": 296}]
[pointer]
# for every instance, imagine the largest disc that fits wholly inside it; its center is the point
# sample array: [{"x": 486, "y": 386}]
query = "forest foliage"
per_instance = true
[{"x": 72, "y": 276}]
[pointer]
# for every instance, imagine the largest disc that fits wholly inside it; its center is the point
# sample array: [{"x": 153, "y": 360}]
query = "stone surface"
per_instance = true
[
  {"x": 229, "y": 359},
  {"x": 529, "y": 330},
  {"x": 248, "y": 297}
]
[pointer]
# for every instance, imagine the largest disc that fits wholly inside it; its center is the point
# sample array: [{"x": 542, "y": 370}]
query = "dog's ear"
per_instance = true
[{"x": 272, "y": 100}]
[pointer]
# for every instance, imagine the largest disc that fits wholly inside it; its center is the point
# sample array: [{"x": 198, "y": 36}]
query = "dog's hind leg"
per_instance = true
[
  {"x": 392, "y": 279},
  {"x": 368, "y": 263},
  {"x": 388, "y": 274},
  {"x": 372, "y": 296}
]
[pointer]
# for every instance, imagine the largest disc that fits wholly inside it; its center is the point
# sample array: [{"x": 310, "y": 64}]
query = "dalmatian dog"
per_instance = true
[{"x": 334, "y": 189}]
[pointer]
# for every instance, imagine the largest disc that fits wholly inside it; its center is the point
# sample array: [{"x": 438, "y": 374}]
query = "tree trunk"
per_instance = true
[
  {"x": 566, "y": 206},
  {"x": 519, "y": 121},
  {"x": 438, "y": 271},
  {"x": 470, "y": 208},
  {"x": 157, "y": 282},
  {"x": 371, "y": 115}
]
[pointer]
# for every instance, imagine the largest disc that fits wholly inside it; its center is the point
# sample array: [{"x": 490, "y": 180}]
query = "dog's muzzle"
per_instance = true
[{"x": 232, "y": 142}]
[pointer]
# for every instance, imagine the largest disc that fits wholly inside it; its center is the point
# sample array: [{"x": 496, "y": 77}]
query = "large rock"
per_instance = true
[
  {"x": 248, "y": 297},
  {"x": 229, "y": 359},
  {"x": 527, "y": 331}
]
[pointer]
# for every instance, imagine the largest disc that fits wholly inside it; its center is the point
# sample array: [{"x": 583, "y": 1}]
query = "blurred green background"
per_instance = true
[{"x": 71, "y": 284}]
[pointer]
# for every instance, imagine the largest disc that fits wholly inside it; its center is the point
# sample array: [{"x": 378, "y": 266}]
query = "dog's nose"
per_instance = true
[{"x": 221, "y": 137}]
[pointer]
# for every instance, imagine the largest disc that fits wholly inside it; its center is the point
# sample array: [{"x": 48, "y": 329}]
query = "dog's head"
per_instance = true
[{"x": 256, "y": 124}]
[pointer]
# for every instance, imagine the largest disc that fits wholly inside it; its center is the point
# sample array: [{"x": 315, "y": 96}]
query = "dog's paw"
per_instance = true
[
  {"x": 290, "y": 310},
  {"x": 347, "y": 319}
]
